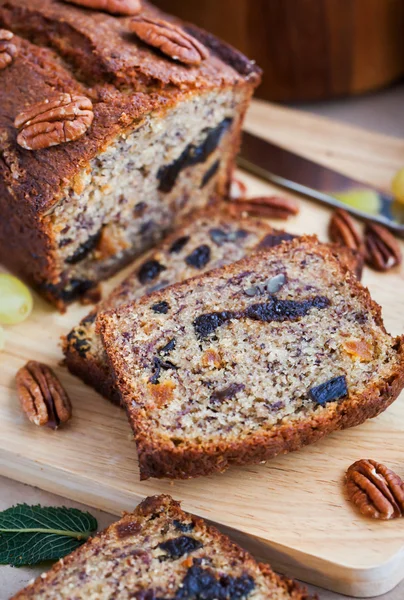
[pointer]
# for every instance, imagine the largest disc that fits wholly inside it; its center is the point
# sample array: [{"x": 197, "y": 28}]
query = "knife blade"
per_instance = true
[{"x": 292, "y": 171}]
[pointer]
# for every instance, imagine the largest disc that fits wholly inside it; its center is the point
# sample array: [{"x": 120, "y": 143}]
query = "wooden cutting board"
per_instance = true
[{"x": 291, "y": 511}]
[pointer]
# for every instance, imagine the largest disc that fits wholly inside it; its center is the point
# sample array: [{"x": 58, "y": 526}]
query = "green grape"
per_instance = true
[
  {"x": 397, "y": 186},
  {"x": 15, "y": 300},
  {"x": 365, "y": 200}
]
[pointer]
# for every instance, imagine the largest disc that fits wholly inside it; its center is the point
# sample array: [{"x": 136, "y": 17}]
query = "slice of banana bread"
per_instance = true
[
  {"x": 209, "y": 239},
  {"x": 251, "y": 360},
  {"x": 160, "y": 552},
  {"x": 157, "y": 138}
]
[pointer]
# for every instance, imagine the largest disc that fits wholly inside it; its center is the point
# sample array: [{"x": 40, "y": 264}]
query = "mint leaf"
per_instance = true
[{"x": 32, "y": 534}]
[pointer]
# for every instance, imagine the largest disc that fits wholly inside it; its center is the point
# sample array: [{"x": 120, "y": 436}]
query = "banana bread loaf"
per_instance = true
[
  {"x": 210, "y": 239},
  {"x": 107, "y": 135},
  {"x": 251, "y": 360},
  {"x": 160, "y": 552}
]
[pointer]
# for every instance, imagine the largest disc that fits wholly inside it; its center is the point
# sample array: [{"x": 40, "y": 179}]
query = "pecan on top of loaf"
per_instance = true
[
  {"x": 115, "y": 7},
  {"x": 7, "y": 49},
  {"x": 60, "y": 119},
  {"x": 170, "y": 39}
]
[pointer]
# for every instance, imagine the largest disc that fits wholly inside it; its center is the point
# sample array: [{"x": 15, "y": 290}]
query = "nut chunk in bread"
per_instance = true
[
  {"x": 160, "y": 552},
  {"x": 106, "y": 141},
  {"x": 251, "y": 360}
]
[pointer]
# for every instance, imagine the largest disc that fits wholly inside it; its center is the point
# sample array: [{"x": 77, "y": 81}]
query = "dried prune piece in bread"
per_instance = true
[
  {"x": 168, "y": 347},
  {"x": 220, "y": 237},
  {"x": 158, "y": 366},
  {"x": 177, "y": 547},
  {"x": 184, "y": 527},
  {"x": 192, "y": 155},
  {"x": 206, "y": 324},
  {"x": 150, "y": 270},
  {"x": 333, "y": 389},
  {"x": 201, "y": 583},
  {"x": 274, "y": 239},
  {"x": 199, "y": 257},
  {"x": 179, "y": 244},
  {"x": 273, "y": 310},
  {"x": 84, "y": 250},
  {"x": 283, "y": 310},
  {"x": 161, "y": 307}
]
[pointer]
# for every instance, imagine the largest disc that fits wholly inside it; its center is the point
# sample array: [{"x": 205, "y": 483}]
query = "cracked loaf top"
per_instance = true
[{"x": 64, "y": 48}]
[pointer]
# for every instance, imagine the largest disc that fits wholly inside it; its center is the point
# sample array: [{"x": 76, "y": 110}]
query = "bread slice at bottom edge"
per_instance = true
[
  {"x": 251, "y": 360},
  {"x": 159, "y": 552}
]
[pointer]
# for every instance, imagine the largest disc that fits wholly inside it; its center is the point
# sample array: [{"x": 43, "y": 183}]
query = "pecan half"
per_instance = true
[
  {"x": 376, "y": 490},
  {"x": 342, "y": 230},
  {"x": 59, "y": 119},
  {"x": 271, "y": 207},
  {"x": 7, "y": 49},
  {"x": 42, "y": 397},
  {"x": 382, "y": 249},
  {"x": 170, "y": 39},
  {"x": 115, "y": 7}
]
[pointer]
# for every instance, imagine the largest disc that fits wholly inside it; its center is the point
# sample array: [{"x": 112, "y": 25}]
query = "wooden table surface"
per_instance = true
[{"x": 381, "y": 112}]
